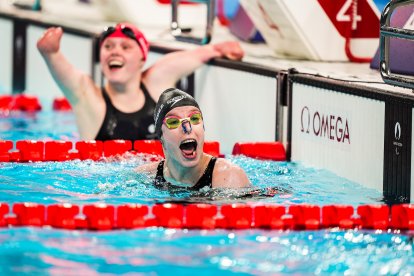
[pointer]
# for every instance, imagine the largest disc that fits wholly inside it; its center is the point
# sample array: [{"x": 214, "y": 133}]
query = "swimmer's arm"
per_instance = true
[
  {"x": 228, "y": 175},
  {"x": 172, "y": 67},
  {"x": 69, "y": 79}
]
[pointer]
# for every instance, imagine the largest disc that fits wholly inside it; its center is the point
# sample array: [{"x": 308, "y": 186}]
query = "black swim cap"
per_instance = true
[{"x": 169, "y": 99}]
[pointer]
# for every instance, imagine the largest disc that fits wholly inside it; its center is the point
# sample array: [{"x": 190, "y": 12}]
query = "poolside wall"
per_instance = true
[{"x": 361, "y": 133}]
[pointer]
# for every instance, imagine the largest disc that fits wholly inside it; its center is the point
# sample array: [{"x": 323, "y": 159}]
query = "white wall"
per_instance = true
[
  {"x": 6, "y": 56},
  {"x": 237, "y": 106}
]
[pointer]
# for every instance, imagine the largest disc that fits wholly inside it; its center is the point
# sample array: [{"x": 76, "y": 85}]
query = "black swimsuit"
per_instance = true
[
  {"x": 204, "y": 181},
  {"x": 137, "y": 125}
]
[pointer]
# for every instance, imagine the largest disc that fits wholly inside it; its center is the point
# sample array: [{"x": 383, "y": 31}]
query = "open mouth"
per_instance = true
[
  {"x": 188, "y": 148},
  {"x": 115, "y": 64}
]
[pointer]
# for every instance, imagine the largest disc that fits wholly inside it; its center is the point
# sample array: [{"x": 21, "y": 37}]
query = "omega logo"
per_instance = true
[{"x": 332, "y": 127}]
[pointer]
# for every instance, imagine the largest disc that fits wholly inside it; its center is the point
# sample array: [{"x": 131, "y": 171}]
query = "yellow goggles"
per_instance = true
[{"x": 173, "y": 121}]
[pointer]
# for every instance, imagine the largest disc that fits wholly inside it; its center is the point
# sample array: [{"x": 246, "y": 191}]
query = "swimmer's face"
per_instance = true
[
  {"x": 121, "y": 59},
  {"x": 184, "y": 144}
]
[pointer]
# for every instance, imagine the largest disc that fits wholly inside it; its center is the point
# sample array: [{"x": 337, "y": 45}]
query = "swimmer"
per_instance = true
[
  {"x": 180, "y": 127},
  {"x": 123, "y": 107}
]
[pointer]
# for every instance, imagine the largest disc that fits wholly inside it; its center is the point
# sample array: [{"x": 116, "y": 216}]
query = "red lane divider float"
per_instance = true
[
  {"x": 32, "y": 151},
  {"x": 206, "y": 216},
  {"x": 30, "y": 103},
  {"x": 374, "y": 217},
  {"x": 261, "y": 150},
  {"x": 35, "y": 151},
  {"x": 5, "y": 147},
  {"x": 22, "y": 102},
  {"x": 341, "y": 215},
  {"x": 61, "y": 104}
]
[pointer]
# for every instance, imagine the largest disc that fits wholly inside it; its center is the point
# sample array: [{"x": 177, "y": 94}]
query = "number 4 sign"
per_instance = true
[
  {"x": 323, "y": 30},
  {"x": 360, "y": 18}
]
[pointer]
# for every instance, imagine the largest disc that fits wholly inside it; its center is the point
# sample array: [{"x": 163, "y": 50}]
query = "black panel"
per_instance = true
[
  {"x": 397, "y": 152},
  {"x": 281, "y": 101},
  {"x": 19, "y": 56}
]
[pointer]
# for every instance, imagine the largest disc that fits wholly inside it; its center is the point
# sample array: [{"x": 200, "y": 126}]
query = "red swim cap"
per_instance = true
[{"x": 129, "y": 31}]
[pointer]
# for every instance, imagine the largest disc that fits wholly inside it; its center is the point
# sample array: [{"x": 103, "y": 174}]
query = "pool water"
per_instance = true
[
  {"x": 156, "y": 250},
  {"x": 115, "y": 182},
  {"x": 34, "y": 251},
  {"x": 44, "y": 125}
]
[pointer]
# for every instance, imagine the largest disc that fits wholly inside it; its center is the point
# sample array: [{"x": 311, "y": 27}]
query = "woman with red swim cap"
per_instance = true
[{"x": 123, "y": 108}]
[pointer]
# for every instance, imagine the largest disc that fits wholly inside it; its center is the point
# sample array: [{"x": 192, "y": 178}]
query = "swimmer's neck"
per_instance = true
[
  {"x": 129, "y": 87},
  {"x": 185, "y": 176}
]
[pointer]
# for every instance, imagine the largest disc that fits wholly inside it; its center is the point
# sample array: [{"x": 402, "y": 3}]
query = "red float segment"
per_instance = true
[
  {"x": 5, "y": 146},
  {"x": 131, "y": 216},
  {"x": 29, "y": 214},
  {"x": 6, "y": 102},
  {"x": 305, "y": 216},
  {"x": 169, "y": 215},
  {"x": 62, "y": 215},
  {"x": 338, "y": 216},
  {"x": 99, "y": 216},
  {"x": 270, "y": 216},
  {"x": 25, "y": 102},
  {"x": 374, "y": 216},
  {"x": 4, "y": 209},
  {"x": 92, "y": 150},
  {"x": 82, "y": 223},
  {"x": 201, "y": 216},
  {"x": 261, "y": 150},
  {"x": 11, "y": 220},
  {"x": 14, "y": 156},
  {"x": 30, "y": 150},
  {"x": 402, "y": 217},
  {"x": 116, "y": 147},
  {"x": 237, "y": 216},
  {"x": 58, "y": 150},
  {"x": 153, "y": 147},
  {"x": 61, "y": 104},
  {"x": 212, "y": 148}
]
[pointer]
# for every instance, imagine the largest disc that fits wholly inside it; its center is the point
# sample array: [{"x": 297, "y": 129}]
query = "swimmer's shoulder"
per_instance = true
[
  {"x": 148, "y": 168},
  {"x": 229, "y": 175}
]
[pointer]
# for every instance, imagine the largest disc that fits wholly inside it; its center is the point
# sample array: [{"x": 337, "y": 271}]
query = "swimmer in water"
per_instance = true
[
  {"x": 123, "y": 108},
  {"x": 180, "y": 127}
]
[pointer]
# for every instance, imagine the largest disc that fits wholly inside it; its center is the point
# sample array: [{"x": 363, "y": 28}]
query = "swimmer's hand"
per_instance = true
[
  {"x": 229, "y": 49},
  {"x": 49, "y": 43}
]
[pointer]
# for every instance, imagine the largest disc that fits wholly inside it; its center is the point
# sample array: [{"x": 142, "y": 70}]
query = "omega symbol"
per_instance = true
[
  {"x": 397, "y": 131},
  {"x": 305, "y": 120}
]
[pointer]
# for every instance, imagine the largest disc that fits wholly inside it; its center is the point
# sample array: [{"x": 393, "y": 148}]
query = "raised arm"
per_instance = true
[
  {"x": 172, "y": 67},
  {"x": 69, "y": 79}
]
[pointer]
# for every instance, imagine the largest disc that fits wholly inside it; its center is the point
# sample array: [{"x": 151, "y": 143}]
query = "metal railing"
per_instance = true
[
  {"x": 386, "y": 32},
  {"x": 184, "y": 34}
]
